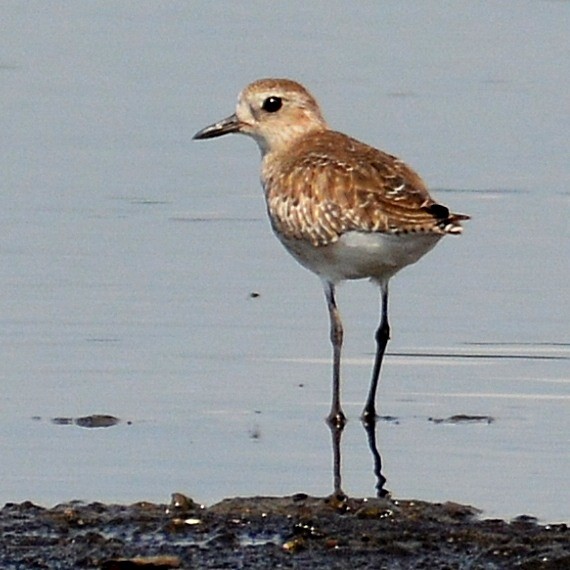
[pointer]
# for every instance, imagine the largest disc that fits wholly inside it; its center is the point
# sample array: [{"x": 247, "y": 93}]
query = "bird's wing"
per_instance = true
[{"x": 348, "y": 186}]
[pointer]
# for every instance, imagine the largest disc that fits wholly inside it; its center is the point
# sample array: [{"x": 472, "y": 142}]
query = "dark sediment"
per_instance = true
[{"x": 289, "y": 532}]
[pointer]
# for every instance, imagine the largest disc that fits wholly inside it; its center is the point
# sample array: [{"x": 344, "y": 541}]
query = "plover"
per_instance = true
[{"x": 341, "y": 208}]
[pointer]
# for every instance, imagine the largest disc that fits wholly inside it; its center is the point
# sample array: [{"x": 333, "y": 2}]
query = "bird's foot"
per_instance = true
[
  {"x": 336, "y": 419},
  {"x": 369, "y": 417}
]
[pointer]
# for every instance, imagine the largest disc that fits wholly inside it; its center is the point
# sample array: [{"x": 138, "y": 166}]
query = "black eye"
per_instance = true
[{"x": 272, "y": 104}]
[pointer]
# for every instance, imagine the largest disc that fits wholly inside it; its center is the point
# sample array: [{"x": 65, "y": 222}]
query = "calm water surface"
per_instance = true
[{"x": 129, "y": 254}]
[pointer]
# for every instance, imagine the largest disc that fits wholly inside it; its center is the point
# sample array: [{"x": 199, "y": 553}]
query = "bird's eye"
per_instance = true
[{"x": 272, "y": 104}]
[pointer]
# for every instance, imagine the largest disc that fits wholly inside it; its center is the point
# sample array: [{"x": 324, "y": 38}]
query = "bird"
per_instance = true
[{"x": 343, "y": 209}]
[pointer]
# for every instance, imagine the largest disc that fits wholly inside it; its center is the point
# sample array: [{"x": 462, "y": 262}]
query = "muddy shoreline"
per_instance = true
[{"x": 275, "y": 532}]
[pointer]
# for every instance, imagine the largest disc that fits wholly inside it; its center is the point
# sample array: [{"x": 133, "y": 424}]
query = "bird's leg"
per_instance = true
[
  {"x": 336, "y": 418},
  {"x": 382, "y": 336}
]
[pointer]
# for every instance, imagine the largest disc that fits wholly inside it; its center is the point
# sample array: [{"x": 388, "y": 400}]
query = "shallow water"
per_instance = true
[{"x": 130, "y": 253}]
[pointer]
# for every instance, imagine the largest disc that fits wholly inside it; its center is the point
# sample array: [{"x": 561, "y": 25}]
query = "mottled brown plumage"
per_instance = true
[{"x": 331, "y": 184}]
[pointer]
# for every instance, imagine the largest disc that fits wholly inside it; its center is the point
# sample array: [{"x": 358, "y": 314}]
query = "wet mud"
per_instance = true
[{"x": 283, "y": 532}]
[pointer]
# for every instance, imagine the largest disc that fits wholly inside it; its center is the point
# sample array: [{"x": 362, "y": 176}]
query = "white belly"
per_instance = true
[{"x": 358, "y": 255}]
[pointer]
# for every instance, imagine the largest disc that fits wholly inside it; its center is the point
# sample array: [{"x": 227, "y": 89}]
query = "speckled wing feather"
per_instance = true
[{"x": 332, "y": 184}]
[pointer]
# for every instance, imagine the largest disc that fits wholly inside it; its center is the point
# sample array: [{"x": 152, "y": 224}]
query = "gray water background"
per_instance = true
[{"x": 129, "y": 253}]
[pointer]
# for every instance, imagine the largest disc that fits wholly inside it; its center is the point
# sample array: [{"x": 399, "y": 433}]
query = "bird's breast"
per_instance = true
[{"x": 361, "y": 255}]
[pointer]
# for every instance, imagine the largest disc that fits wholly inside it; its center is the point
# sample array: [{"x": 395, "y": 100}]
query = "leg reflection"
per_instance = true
[
  {"x": 370, "y": 429},
  {"x": 336, "y": 433}
]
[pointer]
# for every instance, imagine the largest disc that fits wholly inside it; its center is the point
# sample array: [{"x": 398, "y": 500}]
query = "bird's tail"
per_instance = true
[
  {"x": 446, "y": 221},
  {"x": 452, "y": 224}
]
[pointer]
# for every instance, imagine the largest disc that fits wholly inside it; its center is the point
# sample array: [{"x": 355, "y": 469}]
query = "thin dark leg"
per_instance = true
[
  {"x": 336, "y": 417},
  {"x": 370, "y": 428},
  {"x": 382, "y": 336}
]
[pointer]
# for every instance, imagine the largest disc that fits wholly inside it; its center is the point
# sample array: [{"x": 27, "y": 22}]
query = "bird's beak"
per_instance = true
[{"x": 230, "y": 124}]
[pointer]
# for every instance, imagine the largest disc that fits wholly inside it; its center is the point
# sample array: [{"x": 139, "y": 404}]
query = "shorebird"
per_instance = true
[{"x": 341, "y": 208}]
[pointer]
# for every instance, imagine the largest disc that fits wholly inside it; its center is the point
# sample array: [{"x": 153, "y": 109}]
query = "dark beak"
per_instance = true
[{"x": 229, "y": 125}]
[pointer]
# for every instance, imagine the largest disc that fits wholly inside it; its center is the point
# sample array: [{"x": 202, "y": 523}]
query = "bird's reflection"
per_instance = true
[{"x": 369, "y": 425}]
